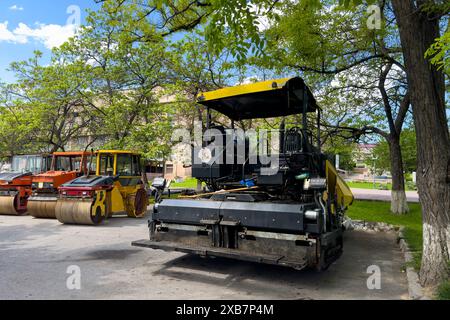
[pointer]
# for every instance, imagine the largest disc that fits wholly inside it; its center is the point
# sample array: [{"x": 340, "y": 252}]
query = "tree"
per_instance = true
[
  {"x": 409, "y": 152},
  {"x": 439, "y": 51},
  {"x": 195, "y": 70},
  {"x": 16, "y": 137},
  {"x": 320, "y": 42},
  {"x": 125, "y": 80},
  {"x": 344, "y": 148},
  {"x": 15, "y": 131},
  {"x": 354, "y": 66},
  {"x": 365, "y": 103},
  {"x": 45, "y": 100},
  {"x": 418, "y": 32},
  {"x": 408, "y": 143}
]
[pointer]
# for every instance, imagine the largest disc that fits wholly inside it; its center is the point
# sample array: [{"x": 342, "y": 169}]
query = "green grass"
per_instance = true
[
  {"x": 374, "y": 211},
  {"x": 443, "y": 292},
  {"x": 369, "y": 185},
  {"x": 186, "y": 184},
  {"x": 172, "y": 196},
  {"x": 364, "y": 185},
  {"x": 192, "y": 184}
]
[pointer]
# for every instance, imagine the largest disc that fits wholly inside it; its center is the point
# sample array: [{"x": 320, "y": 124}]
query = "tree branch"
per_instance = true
[{"x": 402, "y": 112}]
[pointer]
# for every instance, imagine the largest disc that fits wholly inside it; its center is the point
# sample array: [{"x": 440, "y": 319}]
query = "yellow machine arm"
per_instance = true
[{"x": 337, "y": 185}]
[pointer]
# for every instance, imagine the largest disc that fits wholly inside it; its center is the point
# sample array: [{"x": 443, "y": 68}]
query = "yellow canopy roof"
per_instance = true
[
  {"x": 118, "y": 152},
  {"x": 266, "y": 99}
]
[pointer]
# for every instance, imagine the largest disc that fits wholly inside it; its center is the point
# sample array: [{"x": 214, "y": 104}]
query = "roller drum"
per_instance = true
[
  {"x": 138, "y": 203},
  {"x": 7, "y": 206},
  {"x": 42, "y": 208},
  {"x": 77, "y": 212}
]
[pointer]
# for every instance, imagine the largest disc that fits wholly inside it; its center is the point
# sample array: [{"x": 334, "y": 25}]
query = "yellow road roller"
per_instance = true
[{"x": 117, "y": 188}]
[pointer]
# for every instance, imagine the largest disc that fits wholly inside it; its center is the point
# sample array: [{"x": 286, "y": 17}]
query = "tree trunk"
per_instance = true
[
  {"x": 399, "y": 203},
  {"x": 427, "y": 88}
]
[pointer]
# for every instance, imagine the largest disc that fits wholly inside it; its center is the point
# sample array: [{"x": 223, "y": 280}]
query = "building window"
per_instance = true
[
  {"x": 169, "y": 169},
  {"x": 154, "y": 169}
]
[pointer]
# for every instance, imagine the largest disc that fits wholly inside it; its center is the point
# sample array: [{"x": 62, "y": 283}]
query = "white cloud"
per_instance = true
[
  {"x": 262, "y": 19},
  {"x": 51, "y": 35},
  {"x": 8, "y": 36},
  {"x": 16, "y": 8}
]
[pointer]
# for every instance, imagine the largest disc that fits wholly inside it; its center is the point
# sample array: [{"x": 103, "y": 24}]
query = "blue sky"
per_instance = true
[{"x": 28, "y": 25}]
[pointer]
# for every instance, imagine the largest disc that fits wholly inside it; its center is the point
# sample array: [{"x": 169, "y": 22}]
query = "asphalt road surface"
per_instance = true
[{"x": 35, "y": 256}]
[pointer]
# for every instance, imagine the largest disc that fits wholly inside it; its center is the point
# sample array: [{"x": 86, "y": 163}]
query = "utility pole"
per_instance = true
[{"x": 374, "y": 172}]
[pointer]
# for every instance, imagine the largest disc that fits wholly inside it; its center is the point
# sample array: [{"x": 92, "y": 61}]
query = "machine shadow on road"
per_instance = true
[
  {"x": 225, "y": 272},
  {"x": 103, "y": 255},
  {"x": 124, "y": 221},
  {"x": 118, "y": 221},
  {"x": 344, "y": 279}
]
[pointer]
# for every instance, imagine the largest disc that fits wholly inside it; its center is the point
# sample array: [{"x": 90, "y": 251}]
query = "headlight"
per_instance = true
[{"x": 312, "y": 215}]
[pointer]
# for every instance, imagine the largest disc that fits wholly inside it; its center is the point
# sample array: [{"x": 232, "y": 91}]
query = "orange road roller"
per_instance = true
[
  {"x": 65, "y": 167},
  {"x": 15, "y": 186}
]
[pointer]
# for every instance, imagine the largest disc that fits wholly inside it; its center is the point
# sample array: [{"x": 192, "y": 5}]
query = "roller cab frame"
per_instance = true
[
  {"x": 291, "y": 218},
  {"x": 65, "y": 167},
  {"x": 115, "y": 189},
  {"x": 15, "y": 186}
]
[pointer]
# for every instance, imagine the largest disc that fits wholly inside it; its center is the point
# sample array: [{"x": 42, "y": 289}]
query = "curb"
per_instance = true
[{"x": 415, "y": 290}]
